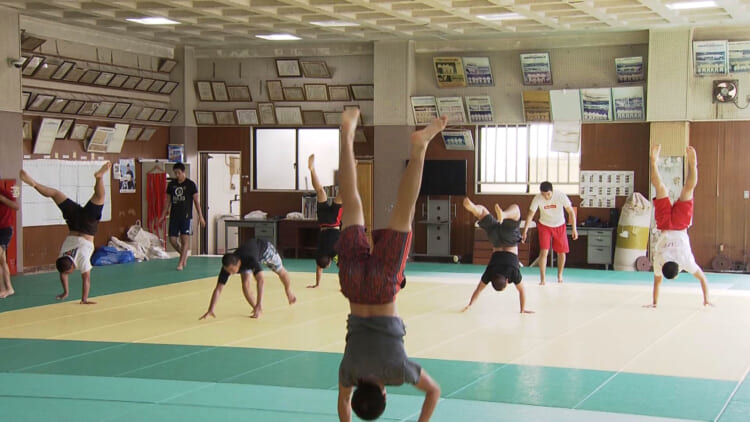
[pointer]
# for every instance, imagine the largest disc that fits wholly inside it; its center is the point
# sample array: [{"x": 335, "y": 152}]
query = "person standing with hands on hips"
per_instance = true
[{"x": 551, "y": 226}]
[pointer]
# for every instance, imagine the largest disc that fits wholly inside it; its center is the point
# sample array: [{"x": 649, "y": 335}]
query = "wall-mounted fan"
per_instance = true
[{"x": 726, "y": 91}]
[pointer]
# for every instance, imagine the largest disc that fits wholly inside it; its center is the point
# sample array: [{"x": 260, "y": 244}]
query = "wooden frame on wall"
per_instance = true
[{"x": 288, "y": 68}]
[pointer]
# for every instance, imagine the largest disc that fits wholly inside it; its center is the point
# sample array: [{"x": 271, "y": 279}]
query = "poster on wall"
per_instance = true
[
  {"x": 458, "y": 140},
  {"x": 739, "y": 56},
  {"x": 536, "y": 69},
  {"x": 176, "y": 153},
  {"x": 598, "y": 189},
  {"x": 629, "y": 104},
  {"x": 596, "y": 104},
  {"x": 449, "y": 72},
  {"x": 629, "y": 69},
  {"x": 478, "y": 71},
  {"x": 710, "y": 57},
  {"x": 479, "y": 109},
  {"x": 453, "y": 107},
  {"x": 127, "y": 175},
  {"x": 536, "y": 106},
  {"x": 424, "y": 109},
  {"x": 566, "y": 136}
]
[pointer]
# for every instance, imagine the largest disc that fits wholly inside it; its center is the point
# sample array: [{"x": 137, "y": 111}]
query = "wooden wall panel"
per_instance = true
[
  {"x": 42, "y": 244},
  {"x": 707, "y": 139}
]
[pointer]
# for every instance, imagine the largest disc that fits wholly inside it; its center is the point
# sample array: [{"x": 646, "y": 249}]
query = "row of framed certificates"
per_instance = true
[
  {"x": 78, "y": 131},
  {"x": 63, "y": 70},
  {"x": 110, "y": 109},
  {"x": 221, "y": 92},
  {"x": 270, "y": 114}
]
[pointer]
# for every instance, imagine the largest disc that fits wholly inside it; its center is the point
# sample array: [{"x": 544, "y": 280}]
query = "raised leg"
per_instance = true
[
  {"x": 352, "y": 203},
  {"x": 513, "y": 212},
  {"x": 408, "y": 189},
  {"x": 322, "y": 197},
  {"x": 98, "y": 197},
  {"x": 478, "y": 211},
  {"x": 692, "y": 176},
  {"x": 45, "y": 191},
  {"x": 661, "y": 188}
]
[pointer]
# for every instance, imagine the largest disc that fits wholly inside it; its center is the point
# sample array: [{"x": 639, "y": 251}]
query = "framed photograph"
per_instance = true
[
  {"x": 220, "y": 91},
  {"x": 709, "y": 57},
  {"x": 46, "y": 70},
  {"x": 361, "y": 119},
  {"x": 359, "y": 136},
  {"x": 89, "y": 76},
  {"x": 536, "y": 69},
  {"x": 27, "y": 129},
  {"x": 424, "y": 109},
  {"x": 176, "y": 153},
  {"x": 168, "y": 87},
  {"x": 133, "y": 133},
  {"x": 169, "y": 116},
  {"x": 478, "y": 71},
  {"x": 239, "y": 93},
  {"x": 628, "y": 103},
  {"x": 73, "y": 107},
  {"x": 629, "y": 69},
  {"x": 147, "y": 134},
  {"x": 294, "y": 93},
  {"x": 537, "y": 106},
  {"x": 204, "y": 117},
  {"x": 117, "y": 80},
  {"x": 131, "y": 82},
  {"x": 332, "y": 118},
  {"x": 119, "y": 110},
  {"x": 596, "y": 104},
  {"x": 157, "y": 115},
  {"x": 275, "y": 91},
  {"x": 203, "y": 88},
  {"x": 166, "y": 65},
  {"x": 316, "y": 92},
  {"x": 62, "y": 131},
  {"x": 41, "y": 102},
  {"x": 79, "y": 132},
  {"x": 479, "y": 109},
  {"x": 225, "y": 117},
  {"x": 144, "y": 84},
  {"x": 266, "y": 114},
  {"x": 289, "y": 115},
  {"x": 25, "y": 95},
  {"x": 104, "y": 108},
  {"x": 57, "y": 106},
  {"x": 453, "y": 107},
  {"x": 313, "y": 118},
  {"x": 32, "y": 65},
  {"x": 145, "y": 113},
  {"x": 157, "y": 86},
  {"x": 62, "y": 70},
  {"x": 458, "y": 140},
  {"x": 339, "y": 93},
  {"x": 449, "y": 72},
  {"x": 247, "y": 116},
  {"x": 104, "y": 78},
  {"x": 73, "y": 75},
  {"x": 315, "y": 69},
  {"x": 88, "y": 109},
  {"x": 133, "y": 112},
  {"x": 363, "y": 92},
  {"x": 288, "y": 68},
  {"x": 739, "y": 56},
  {"x": 89, "y": 132}
]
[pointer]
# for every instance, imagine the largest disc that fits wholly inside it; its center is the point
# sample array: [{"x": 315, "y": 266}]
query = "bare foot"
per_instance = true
[
  {"x": 692, "y": 158},
  {"x": 3, "y": 294},
  {"x": 87, "y": 302},
  {"x": 311, "y": 162},
  {"x": 180, "y": 267},
  {"x": 349, "y": 119},
  {"x": 312, "y": 286},
  {"x": 422, "y": 137},
  {"x": 499, "y": 213},
  {"x": 61, "y": 296},
  {"x": 655, "y": 151},
  {"x": 469, "y": 206},
  {"x": 559, "y": 280},
  {"x": 257, "y": 312},
  {"x": 105, "y": 168},
  {"x": 26, "y": 178},
  {"x": 292, "y": 298},
  {"x": 10, "y": 292},
  {"x": 541, "y": 283}
]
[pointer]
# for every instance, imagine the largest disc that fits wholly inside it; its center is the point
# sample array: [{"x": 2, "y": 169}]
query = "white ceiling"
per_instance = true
[{"x": 223, "y": 22}]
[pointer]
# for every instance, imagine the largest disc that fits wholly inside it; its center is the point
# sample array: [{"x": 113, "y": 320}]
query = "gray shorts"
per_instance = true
[{"x": 270, "y": 259}]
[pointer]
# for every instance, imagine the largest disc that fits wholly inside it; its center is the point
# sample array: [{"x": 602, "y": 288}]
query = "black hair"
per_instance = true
[
  {"x": 63, "y": 264},
  {"x": 323, "y": 261},
  {"x": 545, "y": 187},
  {"x": 178, "y": 166},
  {"x": 499, "y": 282},
  {"x": 368, "y": 401},
  {"x": 670, "y": 269},
  {"x": 229, "y": 259}
]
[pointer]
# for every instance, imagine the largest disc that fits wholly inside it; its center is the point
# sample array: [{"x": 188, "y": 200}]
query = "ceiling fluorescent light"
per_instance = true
[
  {"x": 501, "y": 16},
  {"x": 153, "y": 21},
  {"x": 333, "y": 23},
  {"x": 691, "y": 5},
  {"x": 278, "y": 37}
]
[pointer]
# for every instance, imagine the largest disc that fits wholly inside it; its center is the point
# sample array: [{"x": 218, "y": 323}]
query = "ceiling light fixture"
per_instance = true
[
  {"x": 333, "y": 23},
  {"x": 686, "y": 5},
  {"x": 501, "y": 16},
  {"x": 153, "y": 20},
  {"x": 279, "y": 37}
]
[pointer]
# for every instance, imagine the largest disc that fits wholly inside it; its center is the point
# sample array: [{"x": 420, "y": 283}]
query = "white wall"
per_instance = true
[{"x": 220, "y": 193}]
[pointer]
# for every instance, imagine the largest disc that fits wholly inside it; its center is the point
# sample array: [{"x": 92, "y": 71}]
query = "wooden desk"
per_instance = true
[
  {"x": 298, "y": 235},
  {"x": 263, "y": 229}
]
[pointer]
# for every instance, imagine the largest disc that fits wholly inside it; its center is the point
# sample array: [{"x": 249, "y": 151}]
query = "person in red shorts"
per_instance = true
[
  {"x": 551, "y": 226},
  {"x": 672, "y": 252},
  {"x": 375, "y": 355},
  {"x": 8, "y": 206}
]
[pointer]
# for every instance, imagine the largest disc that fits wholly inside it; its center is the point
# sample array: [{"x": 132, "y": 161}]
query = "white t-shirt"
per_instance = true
[
  {"x": 674, "y": 245},
  {"x": 552, "y": 211},
  {"x": 80, "y": 250}
]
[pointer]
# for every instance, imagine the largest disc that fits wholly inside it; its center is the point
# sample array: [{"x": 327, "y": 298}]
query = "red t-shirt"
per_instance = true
[{"x": 6, "y": 212}]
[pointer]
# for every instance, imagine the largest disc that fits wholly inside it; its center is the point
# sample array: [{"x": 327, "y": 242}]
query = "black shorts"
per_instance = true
[
  {"x": 6, "y": 234},
  {"x": 327, "y": 240},
  {"x": 81, "y": 219},
  {"x": 506, "y": 233},
  {"x": 505, "y": 263}
]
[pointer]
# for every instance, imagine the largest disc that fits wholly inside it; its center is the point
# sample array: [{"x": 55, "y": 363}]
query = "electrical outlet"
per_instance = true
[{"x": 746, "y": 194}]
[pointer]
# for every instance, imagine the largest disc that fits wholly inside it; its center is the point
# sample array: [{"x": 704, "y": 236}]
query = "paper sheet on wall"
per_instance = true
[
  {"x": 566, "y": 136},
  {"x": 599, "y": 189},
  {"x": 73, "y": 178}
]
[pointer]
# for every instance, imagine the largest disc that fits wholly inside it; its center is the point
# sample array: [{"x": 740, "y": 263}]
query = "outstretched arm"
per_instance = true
[
  {"x": 432, "y": 395},
  {"x": 322, "y": 197},
  {"x": 522, "y": 299},
  {"x": 318, "y": 275},
  {"x": 475, "y": 295},
  {"x": 657, "y": 283},
  {"x": 85, "y": 287},
  {"x": 214, "y": 298},
  {"x": 344, "y": 403},
  {"x": 9, "y": 203},
  {"x": 704, "y": 286}
]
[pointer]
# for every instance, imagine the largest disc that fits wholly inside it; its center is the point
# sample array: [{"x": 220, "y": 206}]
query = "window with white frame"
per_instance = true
[
  {"x": 280, "y": 158},
  {"x": 516, "y": 159}
]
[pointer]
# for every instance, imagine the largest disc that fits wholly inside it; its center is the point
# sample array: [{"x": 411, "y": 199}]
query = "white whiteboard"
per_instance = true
[{"x": 73, "y": 178}]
